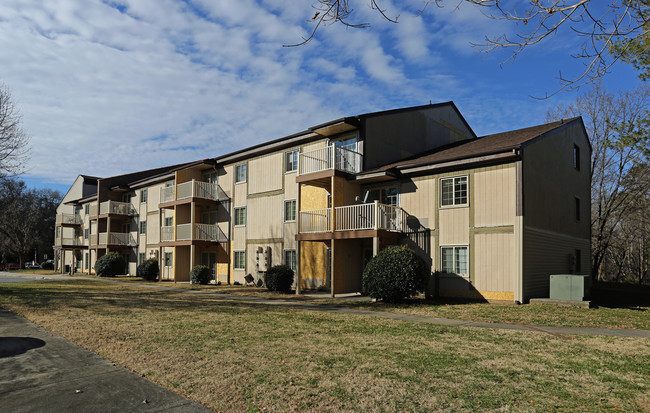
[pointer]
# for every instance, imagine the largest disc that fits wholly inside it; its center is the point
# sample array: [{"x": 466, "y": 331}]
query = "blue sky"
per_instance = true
[{"x": 108, "y": 87}]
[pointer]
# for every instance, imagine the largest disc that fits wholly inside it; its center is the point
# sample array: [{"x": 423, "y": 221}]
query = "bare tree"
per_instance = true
[
  {"x": 608, "y": 32},
  {"x": 617, "y": 151},
  {"x": 13, "y": 139}
]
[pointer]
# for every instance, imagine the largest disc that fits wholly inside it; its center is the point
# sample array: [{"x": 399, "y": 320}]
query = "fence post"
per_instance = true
[{"x": 376, "y": 226}]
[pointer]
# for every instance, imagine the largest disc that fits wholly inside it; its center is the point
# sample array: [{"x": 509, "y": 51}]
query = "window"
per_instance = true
[
  {"x": 58, "y": 232},
  {"x": 126, "y": 197},
  {"x": 578, "y": 259},
  {"x": 240, "y": 173},
  {"x": 453, "y": 260},
  {"x": 240, "y": 216},
  {"x": 86, "y": 233},
  {"x": 87, "y": 261},
  {"x": 169, "y": 221},
  {"x": 209, "y": 176},
  {"x": 143, "y": 195},
  {"x": 240, "y": 260},
  {"x": 169, "y": 184},
  {"x": 142, "y": 257},
  {"x": 453, "y": 191},
  {"x": 291, "y": 161},
  {"x": 87, "y": 209},
  {"x": 290, "y": 210},
  {"x": 168, "y": 259},
  {"x": 290, "y": 258},
  {"x": 126, "y": 227},
  {"x": 143, "y": 227},
  {"x": 576, "y": 157},
  {"x": 577, "y": 203}
]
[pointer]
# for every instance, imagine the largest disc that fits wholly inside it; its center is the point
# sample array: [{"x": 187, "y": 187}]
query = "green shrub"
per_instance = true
[
  {"x": 46, "y": 265},
  {"x": 110, "y": 265},
  {"x": 200, "y": 275},
  {"x": 279, "y": 278},
  {"x": 394, "y": 274},
  {"x": 148, "y": 270}
]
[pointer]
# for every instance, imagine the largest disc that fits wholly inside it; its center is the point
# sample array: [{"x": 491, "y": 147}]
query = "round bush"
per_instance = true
[
  {"x": 148, "y": 270},
  {"x": 45, "y": 265},
  {"x": 394, "y": 274},
  {"x": 279, "y": 278},
  {"x": 110, "y": 265},
  {"x": 200, "y": 275}
]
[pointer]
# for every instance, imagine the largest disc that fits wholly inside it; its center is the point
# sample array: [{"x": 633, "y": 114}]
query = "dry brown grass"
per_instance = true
[{"x": 233, "y": 356}]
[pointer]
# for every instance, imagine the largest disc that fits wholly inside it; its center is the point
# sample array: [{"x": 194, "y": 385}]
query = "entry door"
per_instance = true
[{"x": 209, "y": 259}]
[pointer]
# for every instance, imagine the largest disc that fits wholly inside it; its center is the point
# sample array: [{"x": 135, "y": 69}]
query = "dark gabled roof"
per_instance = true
[
  {"x": 471, "y": 148},
  {"x": 130, "y": 178}
]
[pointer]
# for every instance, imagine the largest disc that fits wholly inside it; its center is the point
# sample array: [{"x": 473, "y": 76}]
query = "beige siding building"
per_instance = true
[{"x": 492, "y": 216}]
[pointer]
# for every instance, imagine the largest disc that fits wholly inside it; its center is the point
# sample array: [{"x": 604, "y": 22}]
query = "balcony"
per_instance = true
[
  {"x": 190, "y": 190},
  {"x": 372, "y": 217},
  {"x": 68, "y": 220},
  {"x": 330, "y": 158},
  {"x": 193, "y": 232},
  {"x": 113, "y": 239},
  {"x": 117, "y": 208},
  {"x": 68, "y": 242}
]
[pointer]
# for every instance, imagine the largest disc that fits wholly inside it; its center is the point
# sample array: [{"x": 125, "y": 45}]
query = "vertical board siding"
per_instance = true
[
  {"x": 265, "y": 217},
  {"x": 239, "y": 198},
  {"x": 290, "y": 186},
  {"x": 494, "y": 265},
  {"x": 495, "y": 195},
  {"x": 454, "y": 226},
  {"x": 549, "y": 253},
  {"x": 265, "y": 173}
]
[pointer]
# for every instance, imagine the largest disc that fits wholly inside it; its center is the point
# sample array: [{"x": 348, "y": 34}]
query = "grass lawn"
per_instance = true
[{"x": 233, "y": 356}]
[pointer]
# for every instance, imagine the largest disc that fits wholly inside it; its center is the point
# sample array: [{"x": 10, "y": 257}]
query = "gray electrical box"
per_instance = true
[{"x": 570, "y": 287}]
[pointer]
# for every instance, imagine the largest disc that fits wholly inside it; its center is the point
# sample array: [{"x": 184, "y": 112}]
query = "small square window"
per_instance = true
[
  {"x": 453, "y": 191},
  {"x": 239, "y": 262},
  {"x": 240, "y": 216},
  {"x": 290, "y": 210},
  {"x": 454, "y": 260},
  {"x": 291, "y": 161},
  {"x": 240, "y": 173}
]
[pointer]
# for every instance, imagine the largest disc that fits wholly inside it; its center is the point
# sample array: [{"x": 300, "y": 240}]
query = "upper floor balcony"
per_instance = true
[
  {"x": 68, "y": 220},
  {"x": 187, "y": 233},
  {"x": 69, "y": 242},
  {"x": 351, "y": 221},
  {"x": 108, "y": 208},
  {"x": 191, "y": 190},
  {"x": 330, "y": 158},
  {"x": 113, "y": 239}
]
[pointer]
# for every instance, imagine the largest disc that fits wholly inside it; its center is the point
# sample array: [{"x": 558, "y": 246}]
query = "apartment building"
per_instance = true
[{"x": 492, "y": 216}]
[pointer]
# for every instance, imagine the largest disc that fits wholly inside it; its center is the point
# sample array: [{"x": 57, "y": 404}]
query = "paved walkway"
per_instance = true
[
  {"x": 556, "y": 331},
  {"x": 41, "y": 372}
]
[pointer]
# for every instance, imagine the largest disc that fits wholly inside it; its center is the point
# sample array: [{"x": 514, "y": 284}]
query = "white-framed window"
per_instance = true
[
  {"x": 240, "y": 216},
  {"x": 87, "y": 209},
  {"x": 240, "y": 173},
  {"x": 453, "y": 191},
  {"x": 239, "y": 262},
  {"x": 290, "y": 210},
  {"x": 169, "y": 221},
  {"x": 143, "y": 195},
  {"x": 86, "y": 233},
  {"x": 455, "y": 260},
  {"x": 290, "y": 258},
  {"x": 142, "y": 257},
  {"x": 169, "y": 259},
  {"x": 291, "y": 161},
  {"x": 143, "y": 227}
]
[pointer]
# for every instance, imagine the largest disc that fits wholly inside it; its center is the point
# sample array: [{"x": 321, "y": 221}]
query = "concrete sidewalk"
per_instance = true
[
  {"x": 552, "y": 330},
  {"x": 41, "y": 372}
]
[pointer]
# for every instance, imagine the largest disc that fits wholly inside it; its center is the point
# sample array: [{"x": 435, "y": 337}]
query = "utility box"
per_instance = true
[{"x": 571, "y": 287}]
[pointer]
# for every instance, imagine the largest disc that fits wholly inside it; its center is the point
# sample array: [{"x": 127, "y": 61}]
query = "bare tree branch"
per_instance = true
[{"x": 13, "y": 139}]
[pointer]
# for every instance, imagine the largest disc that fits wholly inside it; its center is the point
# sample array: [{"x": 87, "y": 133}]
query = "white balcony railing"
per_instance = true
[
  {"x": 193, "y": 189},
  {"x": 193, "y": 232},
  {"x": 316, "y": 220},
  {"x": 114, "y": 238},
  {"x": 68, "y": 219},
  {"x": 119, "y": 208},
  {"x": 74, "y": 241},
  {"x": 354, "y": 217},
  {"x": 330, "y": 157}
]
